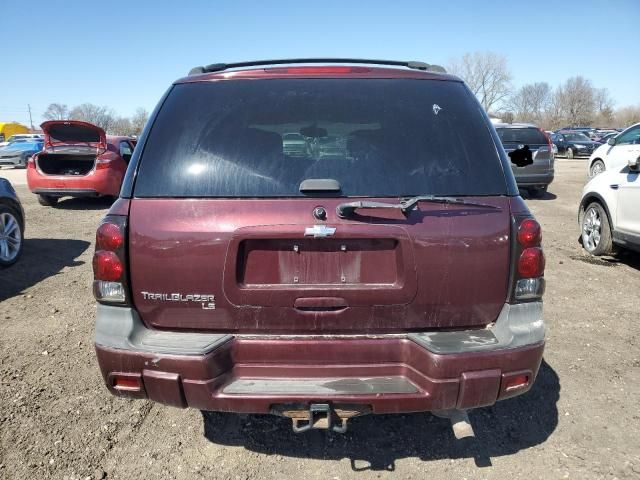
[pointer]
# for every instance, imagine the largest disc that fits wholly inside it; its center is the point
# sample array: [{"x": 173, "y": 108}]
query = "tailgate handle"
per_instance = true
[{"x": 320, "y": 304}]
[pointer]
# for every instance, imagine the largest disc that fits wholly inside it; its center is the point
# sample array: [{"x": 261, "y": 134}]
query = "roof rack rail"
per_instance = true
[{"x": 219, "y": 67}]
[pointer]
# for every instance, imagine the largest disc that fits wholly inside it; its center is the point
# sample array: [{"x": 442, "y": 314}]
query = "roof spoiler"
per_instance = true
[{"x": 219, "y": 67}]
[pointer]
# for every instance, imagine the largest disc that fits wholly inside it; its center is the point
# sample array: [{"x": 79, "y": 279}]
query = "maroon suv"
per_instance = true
[{"x": 320, "y": 241}]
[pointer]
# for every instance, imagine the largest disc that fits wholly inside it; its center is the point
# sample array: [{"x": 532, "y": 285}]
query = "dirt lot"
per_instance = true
[{"x": 57, "y": 420}]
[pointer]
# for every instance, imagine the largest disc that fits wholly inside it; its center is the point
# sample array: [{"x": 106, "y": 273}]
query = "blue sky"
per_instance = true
[{"x": 125, "y": 54}]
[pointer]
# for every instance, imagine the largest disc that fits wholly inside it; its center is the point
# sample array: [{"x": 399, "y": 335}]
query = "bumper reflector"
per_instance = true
[
  {"x": 127, "y": 383},
  {"x": 516, "y": 382}
]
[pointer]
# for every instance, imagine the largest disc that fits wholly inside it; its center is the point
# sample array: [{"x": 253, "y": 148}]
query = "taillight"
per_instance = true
[
  {"x": 318, "y": 70},
  {"x": 530, "y": 261},
  {"x": 31, "y": 162},
  {"x": 103, "y": 163},
  {"x": 529, "y": 233},
  {"x": 109, "y": 261},
  {"x": 549, "y": 142},
  {"x": 107, "y": 266},
  {"x": 109, "y": 237}
]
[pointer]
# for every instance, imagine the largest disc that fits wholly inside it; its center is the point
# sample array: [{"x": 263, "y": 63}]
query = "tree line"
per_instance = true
[
  {"x": 576, "y": 102},
  {"x": 103, "y": 117}
]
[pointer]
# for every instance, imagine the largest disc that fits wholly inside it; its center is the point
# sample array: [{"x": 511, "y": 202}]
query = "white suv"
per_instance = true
[
  {"x": 616, "y": 152},
  {"x": 609, "y": 212}
]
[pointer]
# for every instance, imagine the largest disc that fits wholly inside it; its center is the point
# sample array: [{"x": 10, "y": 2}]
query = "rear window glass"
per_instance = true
[
  {"x": 262, "y": 138},
  {"x": 521, "y": 135}
]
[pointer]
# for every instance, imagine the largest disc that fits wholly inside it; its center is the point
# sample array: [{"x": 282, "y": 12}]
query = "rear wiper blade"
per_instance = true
[{"x": 406, "y": 204}]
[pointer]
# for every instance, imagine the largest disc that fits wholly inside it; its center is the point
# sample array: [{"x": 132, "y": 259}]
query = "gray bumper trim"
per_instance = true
[
  {"x": 321, "y": 386},
  {"x": 121, "y": 328},
  {"x": 517, "y": 325}
]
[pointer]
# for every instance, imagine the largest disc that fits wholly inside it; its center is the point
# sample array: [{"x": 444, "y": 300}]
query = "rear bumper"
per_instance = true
[
  {"x": 96, "y": 183},
  {"x": 57, "y": 192},
  {"x": 535, "y": 180},
  {"x": 384, "y": 373}
]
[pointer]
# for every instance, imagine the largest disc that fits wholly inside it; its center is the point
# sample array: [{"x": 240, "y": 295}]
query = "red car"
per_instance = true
[
  {"x": 78, "y": 160},
  {"x": 386, "y": 265}
]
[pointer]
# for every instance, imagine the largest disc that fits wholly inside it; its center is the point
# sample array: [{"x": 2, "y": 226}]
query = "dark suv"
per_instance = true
[
  {"x": 536, "y": 174},
  {"x": 388, "y": 266}
]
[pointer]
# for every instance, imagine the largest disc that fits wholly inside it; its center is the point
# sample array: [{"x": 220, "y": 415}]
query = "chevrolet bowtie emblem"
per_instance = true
[{"x": 319, "y": 231}]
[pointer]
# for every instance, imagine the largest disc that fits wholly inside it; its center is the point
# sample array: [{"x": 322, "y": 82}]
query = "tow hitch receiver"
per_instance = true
[{"x": 320, "y": 416}]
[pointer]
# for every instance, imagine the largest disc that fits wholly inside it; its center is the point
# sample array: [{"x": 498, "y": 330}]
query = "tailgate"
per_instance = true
[
  {"x": 217, "y": 265},
  {"x": 541, "y": 156}
]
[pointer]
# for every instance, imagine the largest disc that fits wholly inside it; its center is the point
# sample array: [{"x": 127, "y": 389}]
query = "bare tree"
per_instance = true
[
  {"x": 103, "y": 117},
  {"x": 577, "y": 99},
  {"x": 530, "y": 102},
  {"x": 604, "y": 108},
  {"x": 507, "y": 117},
  {"x": 120, "y": 126},
  {"x": 628, "y": 116},
  {"x": 56, "y": 111},
  {"x": 486, "y": 74},
  {"x": 138, "y": 121},
  {"x": 553, "y": 117}
]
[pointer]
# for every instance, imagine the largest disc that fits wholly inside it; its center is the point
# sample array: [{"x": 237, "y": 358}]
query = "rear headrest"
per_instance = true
[
  {"x": 248, "y": 143},
  {"x": 260, "y": 141}
]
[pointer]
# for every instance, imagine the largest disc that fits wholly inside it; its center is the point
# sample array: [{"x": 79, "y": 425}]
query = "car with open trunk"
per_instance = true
[
  {"x": 320, "y": 239},
  {"x": 78, "y": 160}
]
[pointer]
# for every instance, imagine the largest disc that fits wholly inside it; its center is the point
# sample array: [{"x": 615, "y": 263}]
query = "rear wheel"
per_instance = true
[
  {"x": 569, "y": 153},
  {"x": 47, "y": 200},
  {"x": 597, "y": 168},
  {"x": 23, "y": 162},
  {"x": 11, "y": 236},
  {"x": 596, "y": 233},
  {"x": 537, "y": 192}
]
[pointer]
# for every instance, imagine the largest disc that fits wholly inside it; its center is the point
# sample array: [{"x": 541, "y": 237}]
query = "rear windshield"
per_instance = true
[
  {"x": 262, "y": 138},
  {"x": 528, "y": 136}
]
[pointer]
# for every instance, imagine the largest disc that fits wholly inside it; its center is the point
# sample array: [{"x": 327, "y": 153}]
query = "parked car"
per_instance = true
[
  {"x": 609, "y": 215},
  {"x": 537, "y": 176},
  {"x": 18, "y": 153},
  {"x": 606, "y": 136},
  {"x": 574, "y": 144},
  {"x": 232, "y": 277},
  {"x": 22, "y": 137},
  {"x": 616, "y": 153},
  {"x": 8, "y": 129},
  {"x": 295, "y": 145},
  {"x": 11, "y": 224},
  {"x": 584, "y": 130},
  {"x": 78, "y": 160}
]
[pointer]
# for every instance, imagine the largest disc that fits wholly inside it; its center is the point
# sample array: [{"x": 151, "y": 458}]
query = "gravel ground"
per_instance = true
[{"x": 57, "y": 420}]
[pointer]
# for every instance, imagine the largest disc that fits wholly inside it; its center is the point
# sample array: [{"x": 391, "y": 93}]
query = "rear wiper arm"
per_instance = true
[{"x": 406, "y": 204}]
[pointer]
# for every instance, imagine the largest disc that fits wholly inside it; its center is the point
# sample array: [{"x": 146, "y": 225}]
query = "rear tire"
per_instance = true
[
  {"x": 597, "y": 168},
  {"x": 596, "y": 232},
  {"x": 47, "y": 200},
  {"x": 537, "y": 192},
  {"x": 23, "y": 163},
  {"x": 570, "y": 153}
]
